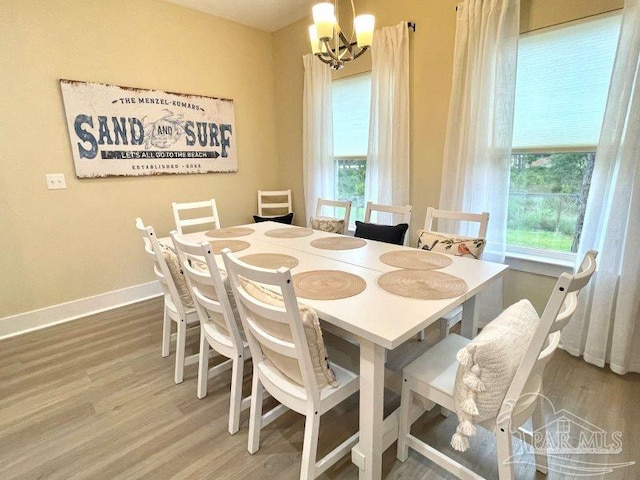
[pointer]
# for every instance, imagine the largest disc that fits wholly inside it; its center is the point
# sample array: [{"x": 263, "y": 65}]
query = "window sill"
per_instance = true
[{"x": 550, "y": 267}]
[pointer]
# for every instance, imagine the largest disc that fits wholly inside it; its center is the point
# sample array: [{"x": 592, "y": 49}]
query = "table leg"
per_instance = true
[
  {"x": 469, "y": 327},
  {"x": 368, "y": 456}
]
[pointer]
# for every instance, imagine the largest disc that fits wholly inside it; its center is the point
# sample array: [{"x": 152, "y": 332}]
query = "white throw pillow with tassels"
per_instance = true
[{"x": 487, "y": 366}]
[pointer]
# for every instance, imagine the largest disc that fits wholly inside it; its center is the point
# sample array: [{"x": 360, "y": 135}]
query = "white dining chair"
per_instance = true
[
  {"x": 195, "y": 216},
  {"x": 219, "y": 325},
  {"x": 432, "y": 239},
  {"x": 497, "y": 378},
  {"x": 331, "y": 216},
  {"x": 274, "y": 203},
  {"x": 178, "y": 304},
  {"x": 380, "y": 218},
  {"x": 289, "y": 359}
]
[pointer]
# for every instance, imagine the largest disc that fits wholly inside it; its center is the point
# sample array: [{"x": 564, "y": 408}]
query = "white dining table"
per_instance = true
[{"x": 380, "y": 320}]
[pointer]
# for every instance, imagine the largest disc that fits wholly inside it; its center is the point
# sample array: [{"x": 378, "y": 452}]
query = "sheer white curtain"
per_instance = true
[
  {"x": 606, "y": 326},
  {"x": 387, "y": 179},
  {"x": 477, "y": 154},
  {"x": 318, "y": 170}
]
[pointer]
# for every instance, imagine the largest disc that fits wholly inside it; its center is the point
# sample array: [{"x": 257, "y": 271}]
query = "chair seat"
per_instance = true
[
  {"x": 192, "y": 314},
  {"x": 346, "y": 380},
  {"x": 343, "y": 377},
  {"x": 437, "y": 367}
]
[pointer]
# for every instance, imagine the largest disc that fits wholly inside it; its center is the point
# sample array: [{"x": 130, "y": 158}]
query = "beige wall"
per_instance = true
[
  {"x": 431, "y": 55},
  {"x": 58, "y": 246}
]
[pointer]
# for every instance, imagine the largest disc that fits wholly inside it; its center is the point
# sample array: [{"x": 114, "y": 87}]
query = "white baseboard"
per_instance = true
[{"x": 65, "y": 312}]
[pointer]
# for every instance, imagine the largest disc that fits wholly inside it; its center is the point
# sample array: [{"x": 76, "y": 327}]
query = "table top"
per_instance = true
[{"x": 375, "y": 314}]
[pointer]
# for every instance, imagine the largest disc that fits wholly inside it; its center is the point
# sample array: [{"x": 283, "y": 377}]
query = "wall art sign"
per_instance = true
[{"x": 130, "y": 131}]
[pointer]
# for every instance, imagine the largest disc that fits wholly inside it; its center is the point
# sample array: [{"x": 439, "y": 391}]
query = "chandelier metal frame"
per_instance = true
[{"x": 338, "y": 49}]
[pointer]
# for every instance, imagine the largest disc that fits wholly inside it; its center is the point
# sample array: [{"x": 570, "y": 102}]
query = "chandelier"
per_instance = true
[{"x": 328, "y": 41}]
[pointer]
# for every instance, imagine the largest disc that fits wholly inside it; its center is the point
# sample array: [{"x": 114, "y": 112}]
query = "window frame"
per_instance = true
[{"x": 534, "y": 260}]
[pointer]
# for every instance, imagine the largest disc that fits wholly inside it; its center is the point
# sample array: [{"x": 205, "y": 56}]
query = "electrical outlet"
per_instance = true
[{"x": 56, "y": 181}]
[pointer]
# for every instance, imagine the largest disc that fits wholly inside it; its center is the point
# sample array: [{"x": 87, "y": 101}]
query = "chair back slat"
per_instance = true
[
  {"x": 272, "y": 342},
  {"x": 190, "y": 214},
  {"x": 482, "y": 219},
  {"x": 271, "y": 313},
  {"x": 274, "y": 203},
  {"x": 566, "y": 312},
  {"x": 547, "y": 353},
  {"x": 397, "y": 214},
  {"x": 586, "y": 269},
  {"x": 189, "y": 222}
]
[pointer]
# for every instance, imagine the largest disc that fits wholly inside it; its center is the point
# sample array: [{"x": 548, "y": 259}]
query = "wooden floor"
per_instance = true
[{"x": 93, "y": 399}]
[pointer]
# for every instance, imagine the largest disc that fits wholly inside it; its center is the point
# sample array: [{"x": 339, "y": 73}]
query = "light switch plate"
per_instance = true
[{"x": 56, "y": 181}]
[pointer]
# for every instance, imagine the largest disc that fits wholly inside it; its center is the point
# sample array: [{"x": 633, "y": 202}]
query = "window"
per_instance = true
[
  {"x": 351, "y": 100},
  {"x": 561, "y": 91}
]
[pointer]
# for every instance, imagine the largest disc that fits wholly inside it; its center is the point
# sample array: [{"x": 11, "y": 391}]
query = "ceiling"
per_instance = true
[{"x": 267, "y": 15}]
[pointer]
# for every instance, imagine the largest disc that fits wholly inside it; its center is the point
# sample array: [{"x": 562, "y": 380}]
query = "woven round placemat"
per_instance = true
[
  {"x": 327, "y": 284},
  {"x": 293, "y": 232},
  {"x": 338, "y": 243},
  {"x": 234, "y": 245},
  {"x": 415, "y": 260},
  {"x": 422, "y": 284},
  {"x": 270, "y": 260},
  {"x": 229, "y": 232}
]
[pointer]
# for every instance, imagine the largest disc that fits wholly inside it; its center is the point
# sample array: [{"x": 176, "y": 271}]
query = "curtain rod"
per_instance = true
[{"x": 410, "y": 25}]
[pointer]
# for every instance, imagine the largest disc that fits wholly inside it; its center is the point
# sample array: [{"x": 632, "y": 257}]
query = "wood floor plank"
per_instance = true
[{"x": 94, "y": 399}]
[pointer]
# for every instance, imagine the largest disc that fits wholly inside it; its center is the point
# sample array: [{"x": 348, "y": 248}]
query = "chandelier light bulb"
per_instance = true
[
  {"x": 314, "y": 40},
  {"x": 364, "y": 25},
  {"x": 324, "y": 19}
]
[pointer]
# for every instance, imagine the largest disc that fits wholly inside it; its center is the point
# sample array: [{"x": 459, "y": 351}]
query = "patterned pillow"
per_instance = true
[
  {"x": 451, "y": 244},
  {"x": 178, "y": 276},
  {"x": 327, "y": 224},
  {"x": 487, "y": 366},
  {"x": 325, "y": 376}
]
